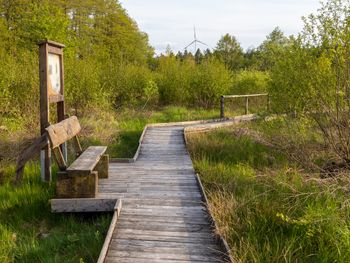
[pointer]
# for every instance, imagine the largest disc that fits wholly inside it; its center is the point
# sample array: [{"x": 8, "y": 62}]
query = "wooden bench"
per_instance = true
[{"x": 80, "y": 179}]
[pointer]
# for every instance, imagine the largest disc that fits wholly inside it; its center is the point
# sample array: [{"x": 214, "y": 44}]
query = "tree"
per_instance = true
[
  {"x": 198, "y": 57},
  {"x": 312, "y": 76},
  {"x": 269, "y": 51},
  {"x": 229, "y": 51}
]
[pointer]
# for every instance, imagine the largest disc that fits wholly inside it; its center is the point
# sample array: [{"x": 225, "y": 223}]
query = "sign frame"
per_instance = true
[{"x": 48, "y": 97}]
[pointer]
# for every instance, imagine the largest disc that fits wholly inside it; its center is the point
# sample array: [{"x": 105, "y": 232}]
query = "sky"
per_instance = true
[{"x": 172, "y": 22}]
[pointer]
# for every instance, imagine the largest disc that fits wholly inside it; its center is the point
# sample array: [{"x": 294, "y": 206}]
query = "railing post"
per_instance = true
[
  {"x": 247, "y": 106},
  {"x": 222, "y": 107}
]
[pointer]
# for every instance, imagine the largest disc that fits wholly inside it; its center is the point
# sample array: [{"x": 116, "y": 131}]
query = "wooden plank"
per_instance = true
[
  {"x": 29, "y": 153},
  {"x": 166, "y": 234},
  {"x": 165, "y": 256},
  {"x": 147, "y": 260},
  {"x": 156, "y": 246},
  {"x": 87, "y": 161},
  {"x": 165, "y": 218},
  {"x": 82, "y": 205},
  {"x": 63, "y": 131},
  {"x": 104, "y": 250}
]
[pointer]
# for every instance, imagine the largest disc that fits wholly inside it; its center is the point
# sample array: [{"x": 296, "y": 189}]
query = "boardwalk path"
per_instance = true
[{"x": 163, "y": 217}]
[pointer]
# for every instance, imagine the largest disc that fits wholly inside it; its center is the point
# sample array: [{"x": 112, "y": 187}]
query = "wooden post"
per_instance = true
[
  {"x": 268, "y": 102},
  {"x": 246, "y": 105},
  {"x": 45, "y": 154},
  {"x": 51, "y": 91},
  {"x": 222, "y": 107}
]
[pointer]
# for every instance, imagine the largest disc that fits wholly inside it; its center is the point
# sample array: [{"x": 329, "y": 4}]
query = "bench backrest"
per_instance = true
[{"x": 62, "y": 132}]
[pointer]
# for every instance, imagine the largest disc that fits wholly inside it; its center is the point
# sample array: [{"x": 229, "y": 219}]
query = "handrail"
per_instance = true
[{"x": 246, "y": 96}]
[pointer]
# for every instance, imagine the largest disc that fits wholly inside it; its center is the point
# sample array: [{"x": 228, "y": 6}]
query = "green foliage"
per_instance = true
[
  {"x": 270, "y": 50},
  {"x": 250, "y": 82},
  {"x": 173, "y": 79},
  {"x": 187, "y": 83},
  {"x": 229, "y": 51},
  {"x": 96, "y": 34},
  {"x": 210, "y": 80}
]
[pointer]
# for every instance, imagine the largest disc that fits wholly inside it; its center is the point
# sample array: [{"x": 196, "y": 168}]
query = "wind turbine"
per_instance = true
[{"x": 195, "y": 41}]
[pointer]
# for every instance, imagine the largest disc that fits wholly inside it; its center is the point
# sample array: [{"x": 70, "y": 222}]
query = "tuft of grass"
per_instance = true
[{"x": 267, "y": 209}]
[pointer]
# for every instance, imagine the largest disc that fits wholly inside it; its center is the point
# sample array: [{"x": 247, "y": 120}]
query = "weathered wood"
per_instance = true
[
  {"x": 60, "y": 160},
  {"x": 29, "y": 153},
  {"x": 222, "y": 107},
  {"x": 247, "y": 105},
  {"x": 63, "y": 131},
  {"x": 77, "y": 146},
  {"x": 104, "y": 250},
  {"x": 77, "y": 186},
  {"x": 44, "y": 110},
  {"x": 245, "y": 96},
  {"x": 87, "y": 161},
  {"x": 166, "y": 256},
  {"x": 102, "y": 166},
  {"x": 163, "y": 215},
  {"x": 78, "y": 205}
]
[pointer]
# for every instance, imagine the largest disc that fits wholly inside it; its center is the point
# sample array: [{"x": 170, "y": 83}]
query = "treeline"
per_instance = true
[{"x": 109, "y": 62}]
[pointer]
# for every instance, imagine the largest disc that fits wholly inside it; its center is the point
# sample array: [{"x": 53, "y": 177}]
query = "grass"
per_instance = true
[
  {"x": 269, "y": 208},
  {"x": 28, "y": 230},
  {"x": 30, "y": 233}
]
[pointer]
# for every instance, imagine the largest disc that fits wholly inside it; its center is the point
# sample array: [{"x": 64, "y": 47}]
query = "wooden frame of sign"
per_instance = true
[{"x": 51, "y": 75}]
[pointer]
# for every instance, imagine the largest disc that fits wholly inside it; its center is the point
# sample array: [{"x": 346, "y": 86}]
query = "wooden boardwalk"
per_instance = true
[{"x": 163, "y": 218}]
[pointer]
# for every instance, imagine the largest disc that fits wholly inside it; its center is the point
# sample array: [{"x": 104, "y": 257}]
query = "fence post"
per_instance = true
[
  {"x": 222, "y": 107},
  {"x": 247, "y": 106},
  {"x": 268, "y": 103}
]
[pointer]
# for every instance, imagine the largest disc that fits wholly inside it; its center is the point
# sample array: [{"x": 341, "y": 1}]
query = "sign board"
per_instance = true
[{"x": 54, "y": 74}]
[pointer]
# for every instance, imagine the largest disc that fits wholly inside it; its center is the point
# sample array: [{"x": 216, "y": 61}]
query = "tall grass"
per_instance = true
[{"x": 266, "y": 207}]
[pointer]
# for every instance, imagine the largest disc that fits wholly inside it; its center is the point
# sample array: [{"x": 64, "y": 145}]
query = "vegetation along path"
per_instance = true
[{"x": 163, "y": 218}]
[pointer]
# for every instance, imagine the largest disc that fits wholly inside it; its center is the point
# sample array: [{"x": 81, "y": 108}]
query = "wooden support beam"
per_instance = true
[
  {"x": 29, "y": 153},
  {"x": 77, "y": 147},
  {"x": 247, "y": 106},
  {"x": 78, "y": 205},
  {"x": 76, "y": 185},
  {"x": 61, "y": 162},
  {"x": 222, "y": 107},
  {"x": 102, "y": 166}
]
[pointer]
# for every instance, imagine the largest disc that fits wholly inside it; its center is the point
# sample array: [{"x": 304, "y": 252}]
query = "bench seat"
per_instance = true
[{"x": 87, "y": 161}]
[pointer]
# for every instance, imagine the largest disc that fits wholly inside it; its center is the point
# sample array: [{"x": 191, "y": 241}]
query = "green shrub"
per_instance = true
[{"x": 250, "y": 82}]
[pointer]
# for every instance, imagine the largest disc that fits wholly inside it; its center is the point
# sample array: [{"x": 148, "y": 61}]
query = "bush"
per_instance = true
[
  {"x": 250, "y": 82},
  {"x": 173, "y": 79},
  {"x": 209, "y": 82}
]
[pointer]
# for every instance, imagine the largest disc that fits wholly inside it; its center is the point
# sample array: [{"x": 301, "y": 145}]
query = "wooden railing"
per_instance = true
[{"x": 222, "y": 101}]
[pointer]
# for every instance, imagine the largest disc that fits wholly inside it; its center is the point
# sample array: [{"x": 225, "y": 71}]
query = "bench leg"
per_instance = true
[
  {"x": 76, "y": 186},
  {"x": 103, "y": 166}
]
